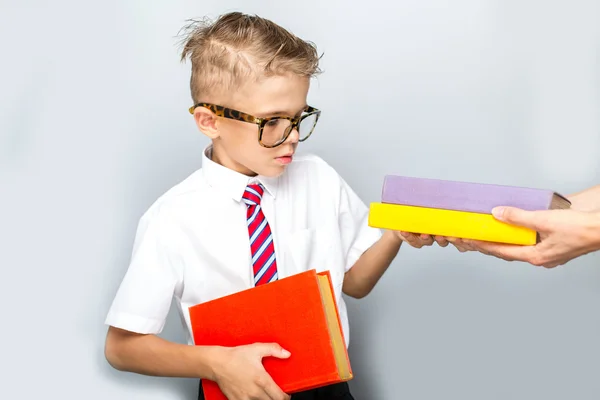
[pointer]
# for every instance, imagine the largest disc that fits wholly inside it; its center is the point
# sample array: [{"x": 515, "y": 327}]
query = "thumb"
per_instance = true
[
  {"x": 516, "y": 216},
  {"x": 272, "y": 350}
]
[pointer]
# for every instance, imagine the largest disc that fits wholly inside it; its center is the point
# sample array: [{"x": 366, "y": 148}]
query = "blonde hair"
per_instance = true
[{"x": 238, "y": 47}]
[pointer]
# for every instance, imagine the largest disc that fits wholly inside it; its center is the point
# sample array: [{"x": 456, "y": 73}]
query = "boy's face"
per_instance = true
[{"x": 235, "y": 143}]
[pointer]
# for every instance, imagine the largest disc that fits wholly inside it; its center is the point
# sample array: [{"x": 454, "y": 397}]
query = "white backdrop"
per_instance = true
[{"x": 93, "y": 128}]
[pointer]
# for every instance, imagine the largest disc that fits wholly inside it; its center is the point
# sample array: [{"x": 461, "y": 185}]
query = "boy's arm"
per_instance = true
[
  {"x": 139, "y": 311},
  {"x": 151, "y": 355},
  {"x": 371, "y": 265},
  {"x": 237, "y": 370},
  {"x": 369, "y": 251}
]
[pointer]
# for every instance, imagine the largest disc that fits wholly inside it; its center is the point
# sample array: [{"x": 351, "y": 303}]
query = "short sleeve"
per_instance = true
[
  {"x": 356, "y": 234},
  {"x": 144, "y": 297}
]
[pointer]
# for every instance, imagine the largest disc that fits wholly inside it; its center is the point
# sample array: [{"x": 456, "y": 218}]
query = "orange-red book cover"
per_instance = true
[{"x": 298, "y": 312}]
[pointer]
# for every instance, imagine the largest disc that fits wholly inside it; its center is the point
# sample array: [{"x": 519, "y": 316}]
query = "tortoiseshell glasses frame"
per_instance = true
[{"x": 236, "y": 115}]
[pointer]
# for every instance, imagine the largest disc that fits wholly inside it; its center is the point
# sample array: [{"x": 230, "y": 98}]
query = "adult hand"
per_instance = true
[{"x": 564, "y": 235}]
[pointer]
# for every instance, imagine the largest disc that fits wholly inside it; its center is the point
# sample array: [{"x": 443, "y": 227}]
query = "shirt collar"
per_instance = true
[{"x": 230, "y": 182}]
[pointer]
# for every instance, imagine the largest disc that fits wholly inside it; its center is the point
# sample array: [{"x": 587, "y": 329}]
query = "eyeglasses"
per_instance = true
[{"x": 272, "y": 131}]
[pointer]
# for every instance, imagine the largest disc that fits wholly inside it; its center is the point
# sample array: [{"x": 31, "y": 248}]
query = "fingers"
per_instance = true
[
  {"x": 459, "y": 244},
  {"x": 273, "y": 391},
  {"x": 411, "y": 239},
  {"x": 264, "y": 381},
  {"x": 241, "y": 374},
  {"x": 506, "y": 252},
  {"x": 271, "y": 350},
  {"x": 270, "y": 390},
  {"x": 486, "y": 248},
  {"x": 441, "y": 241},
  {"x": 426, "y": 240},
  {"x": 460, "y": 248},
  {"x": 535, "y": 255},
  {"x": 553, "y": 264},
  {"x": 417, "y": 240},
  {"x": 264, "y": 388},
  {"x": 516, "y": 216}
]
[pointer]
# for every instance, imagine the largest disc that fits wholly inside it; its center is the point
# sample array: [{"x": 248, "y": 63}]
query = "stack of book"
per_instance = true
[
  {"x": 298, "y": 312},
  {"x": 458, "y": 209}
]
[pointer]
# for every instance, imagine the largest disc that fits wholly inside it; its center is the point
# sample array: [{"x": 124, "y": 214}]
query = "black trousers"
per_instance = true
[{"x": 338, "y": 391}]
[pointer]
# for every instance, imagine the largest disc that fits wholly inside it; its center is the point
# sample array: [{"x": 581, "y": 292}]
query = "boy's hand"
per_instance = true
[
  {"x": 419, "y": 240},
  {"x": 241, "y": 375}
]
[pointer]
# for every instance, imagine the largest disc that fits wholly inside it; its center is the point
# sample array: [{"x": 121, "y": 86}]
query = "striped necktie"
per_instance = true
[{"x": 261, "y": 240}]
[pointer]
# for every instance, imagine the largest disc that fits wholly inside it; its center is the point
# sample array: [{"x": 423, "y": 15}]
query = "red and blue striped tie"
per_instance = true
[{"x": 261, "y": 240}]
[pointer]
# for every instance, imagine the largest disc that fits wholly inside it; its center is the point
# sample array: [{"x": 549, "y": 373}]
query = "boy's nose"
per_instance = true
[{"x": 294, "y": 136}]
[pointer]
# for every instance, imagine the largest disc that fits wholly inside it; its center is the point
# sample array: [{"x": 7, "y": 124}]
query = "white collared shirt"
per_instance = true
[{"x": 192, "y": 244}]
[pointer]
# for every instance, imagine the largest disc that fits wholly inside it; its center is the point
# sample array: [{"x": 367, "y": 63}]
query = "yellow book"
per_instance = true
[{"x": 449, "y": 223}]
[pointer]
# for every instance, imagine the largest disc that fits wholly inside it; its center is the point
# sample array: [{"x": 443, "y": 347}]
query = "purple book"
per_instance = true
[{"x": 466, "y": 196}]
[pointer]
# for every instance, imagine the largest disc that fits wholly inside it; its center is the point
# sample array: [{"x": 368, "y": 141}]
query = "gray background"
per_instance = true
[{"x": 93, "y": 128}]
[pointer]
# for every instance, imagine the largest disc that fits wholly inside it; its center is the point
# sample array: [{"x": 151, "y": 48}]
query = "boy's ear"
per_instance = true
[{"x": 206, "y": 121}]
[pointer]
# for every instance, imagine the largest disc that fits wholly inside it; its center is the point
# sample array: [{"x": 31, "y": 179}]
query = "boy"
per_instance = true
[{"x": 253, "y": 213}]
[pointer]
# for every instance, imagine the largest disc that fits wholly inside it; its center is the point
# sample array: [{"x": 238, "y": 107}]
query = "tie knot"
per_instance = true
[{"x": 253, "y": 194}]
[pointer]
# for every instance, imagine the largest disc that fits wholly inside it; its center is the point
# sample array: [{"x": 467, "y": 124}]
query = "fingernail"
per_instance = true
[
  {"x": 498, "y": 212},
  {"x": 285, "y": 352}
]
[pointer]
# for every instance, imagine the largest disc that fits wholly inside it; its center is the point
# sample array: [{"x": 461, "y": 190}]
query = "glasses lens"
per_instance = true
[
  {"x": 307, "y": 125},
  {"x": 274, "y": 131}
]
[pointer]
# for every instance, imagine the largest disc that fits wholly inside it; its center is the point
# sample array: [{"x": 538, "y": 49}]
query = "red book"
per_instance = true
[{"x": 297, "y": 312}]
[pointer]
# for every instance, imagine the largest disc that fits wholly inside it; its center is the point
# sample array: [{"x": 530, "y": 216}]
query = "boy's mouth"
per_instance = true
[{"x": 285, "y": 159}]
